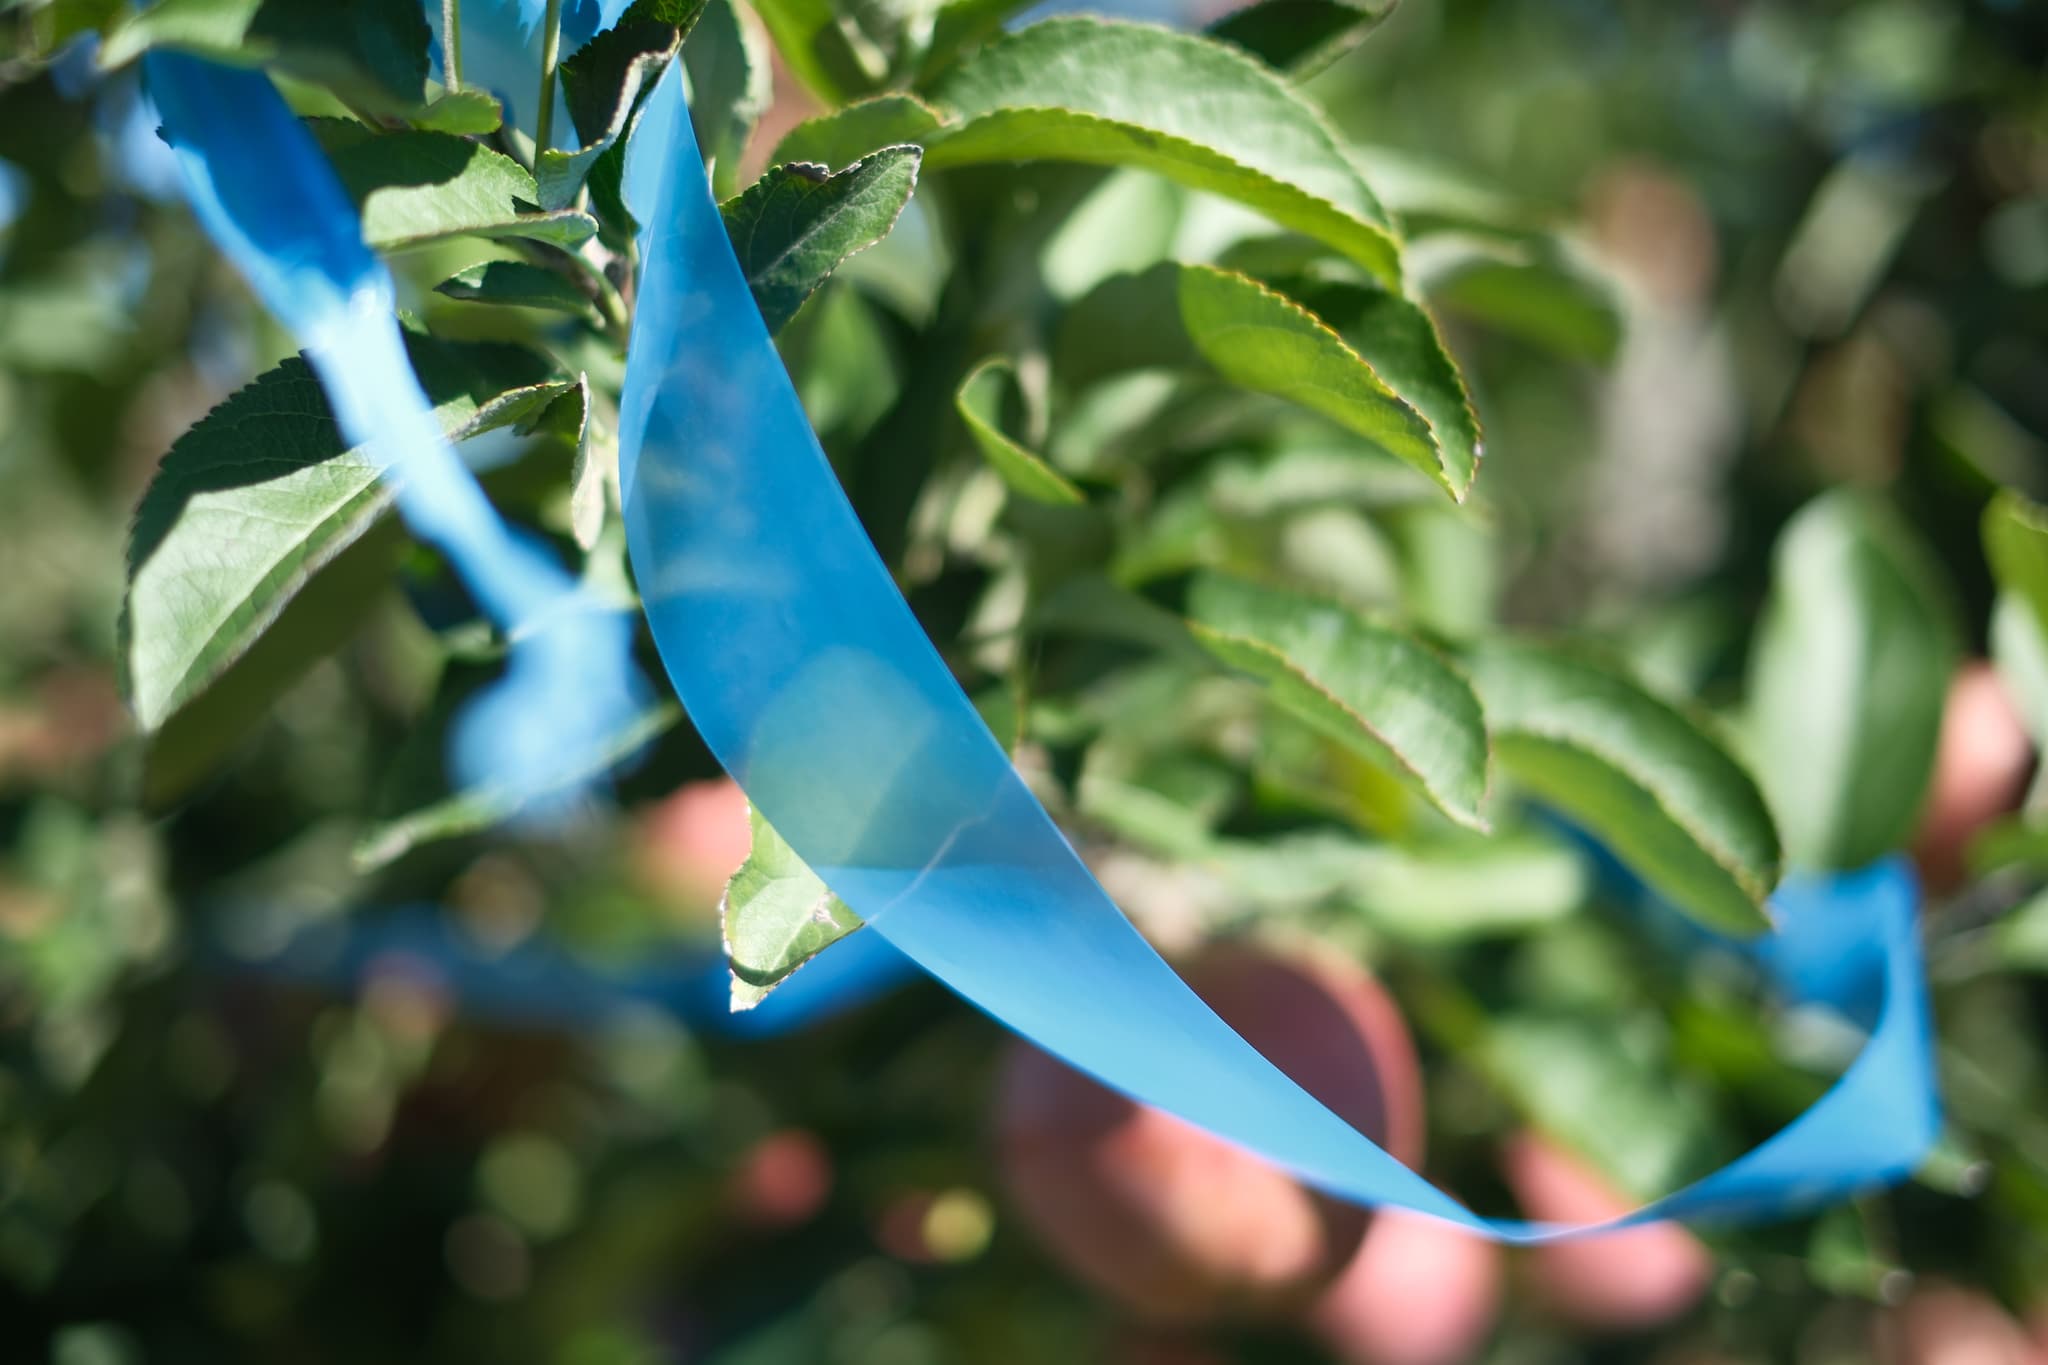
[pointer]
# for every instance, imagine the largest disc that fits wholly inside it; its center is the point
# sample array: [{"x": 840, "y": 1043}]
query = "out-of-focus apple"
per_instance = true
[
  {"x": 1948, "y": 1325},
  {"x": 1173, "y": 1223},
  {"x": 1419, "y": 1292},
  {"x": 690, "y": 843},
  {"x": 1624, "y": 1281},
  {"x": 1980, "y": 772},
  {"x": 782, "y": 1180}
]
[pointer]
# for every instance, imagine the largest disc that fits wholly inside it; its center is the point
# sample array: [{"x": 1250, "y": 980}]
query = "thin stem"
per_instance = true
[
  {"x": 451, "y": 44},
  {"x": 550, "y": 55}
]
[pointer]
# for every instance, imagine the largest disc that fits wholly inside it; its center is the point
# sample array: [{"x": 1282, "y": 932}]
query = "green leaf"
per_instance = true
[
  {"x": 846, "y": 135},
  {"x": 1400, "y": 342},
  {"x": 1647, "y": 779},
  {"x": 480, "y": 808},
  {"x": 2016, "y": 543},
  {"x": 468, "y": 110},
  {"x": 1847, "y": 681},
  {"x": 1532, "y": 288},
  {"x": 979, "y": 402},
  {"x": 825, "y": 52},
  {"x": 257, "y": 498},
  {"x": 373, "y": 51},
  {"x": 777, "y": 915},
  {"x": 1365, "y": 684},
  {"x": 793, "y": 226},
  {"x": 1183, "y": 316},
  {"x": 420, "y": 187},
  {"x": 1300, "y": 37},
  {"x": 602, "y": 84},
  {"x": 55, "y": 24},
  {"x": 731, "y": 86},
  {"x": 519, "y": 284},
  {"x": 2022, "y": 936},
  {"x": 1196, "y": 110}
]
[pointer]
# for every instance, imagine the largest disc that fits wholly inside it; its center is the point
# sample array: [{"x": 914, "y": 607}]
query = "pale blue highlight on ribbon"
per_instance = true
[
  {"x": 264, "y": 192},
  {"x": 808, "y": 676}
]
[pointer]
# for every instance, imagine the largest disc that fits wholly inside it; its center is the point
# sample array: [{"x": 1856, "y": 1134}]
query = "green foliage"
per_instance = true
[
  {"x": 1370, "y": 687},
  {"x": 1198, "y": 111},
  {"x": 371, "y": 51},
  {"x": 417, "y": 188},
  {"x": 1648, "y": 779},
  {"x": 1850, "y": 671}
]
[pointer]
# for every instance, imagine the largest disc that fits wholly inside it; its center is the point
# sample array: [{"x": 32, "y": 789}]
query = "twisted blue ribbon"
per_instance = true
[
  {"x": 262, "y": 190},
  {"x": 807, "y": 675}
]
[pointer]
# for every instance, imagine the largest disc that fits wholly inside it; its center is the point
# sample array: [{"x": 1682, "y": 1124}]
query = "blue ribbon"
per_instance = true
[
  {"x": 808, "y": 676},
  {"x": 806, "y": 673},
  {"x": 262, "y": 190}
]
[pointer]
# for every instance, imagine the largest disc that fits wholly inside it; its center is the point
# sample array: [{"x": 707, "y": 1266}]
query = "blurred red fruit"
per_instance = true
[
  {"x": 1419, "y": 1292},
  {"x": 1178, "y": 1225},
  {"x": 690, "y": 843},
  {"x": 1980, "y": 773},
  {"x": 782, "y": 1181},
  {"x": 1948, "y": 1325},
  {"x": 1625, "y": 1281}
]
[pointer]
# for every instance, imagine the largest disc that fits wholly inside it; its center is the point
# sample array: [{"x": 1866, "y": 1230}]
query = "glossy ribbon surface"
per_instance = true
[
  {"x": 806, "y": 673},
  {"x": 264, "y": 192}
]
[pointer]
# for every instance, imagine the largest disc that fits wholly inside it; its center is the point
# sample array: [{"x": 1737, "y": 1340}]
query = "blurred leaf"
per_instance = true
[
  {"x": 480, "y": 808},
  {"x": 1300, "y": 37},
  {"x": 731, "y": 86},
  {"x": 1183, "y": 316},
  {"x": 2022, "y": 936},
  {"x": 979, "y": 402},
  {"x": 1603, "y": 1089},
  {"x": 793, "y": 226},
  {"x": 1196, "y": 110},
  {"x": 828, "y": 54},
  {"x": 1360, "y": 682},
  {"x": 844, "y": 136},
  {"x": 419, "y": 187},
  {"x": 1532, "y": 288},
  {"x": 256, "y": 498},
  {"x": 1648, "y": 780},
  {"x": 2016, "y": 543},
  {"x": 2019, "y": 650},
  {"x": 373, "y": 51},
  {"x": 602, "y": 83},
  {"x": 962, "y": 24},
  {"x": 520, "y": 284},
  {"x": 1847, "y": 682},
  {"x": 777, "y": 916},
  {"x": 55, "y": 24}
]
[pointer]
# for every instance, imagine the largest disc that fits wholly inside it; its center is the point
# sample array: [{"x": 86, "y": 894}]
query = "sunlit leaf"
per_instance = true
[
  {"x": 1363, "y": 683},
  {"x": 1649, "y": 780},
  {"x": 1188, "y": 316},
  {"x": 1197, "y": 110},
  {"x": 420, "y": 187},
  {"x": 777, "y": 915},
  {"x": 793, "y": 226}
]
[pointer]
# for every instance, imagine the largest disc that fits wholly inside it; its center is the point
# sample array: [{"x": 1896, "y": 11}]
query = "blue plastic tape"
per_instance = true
[
  {"x": 266, "y": 195},
  {"x": 806, "y": 673}
]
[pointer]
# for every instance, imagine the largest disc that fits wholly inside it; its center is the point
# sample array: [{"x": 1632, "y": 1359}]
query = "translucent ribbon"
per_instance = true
[
  {"x": 808, "y": 676},
  {"x": 264, "y": 192}
]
